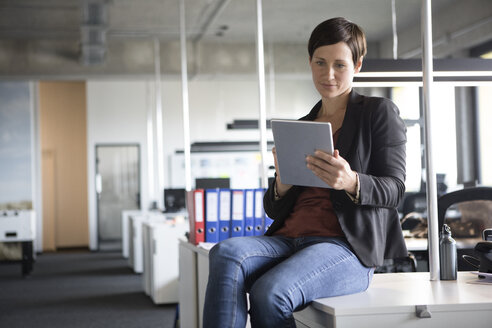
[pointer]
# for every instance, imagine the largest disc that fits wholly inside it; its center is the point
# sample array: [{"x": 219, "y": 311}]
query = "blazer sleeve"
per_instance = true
[
  {"x": 383, "y": 184},
  {"x": 281, "y": 208}
]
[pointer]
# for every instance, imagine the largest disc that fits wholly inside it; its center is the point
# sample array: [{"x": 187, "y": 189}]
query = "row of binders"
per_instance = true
[{"x": 218, "y": 214}]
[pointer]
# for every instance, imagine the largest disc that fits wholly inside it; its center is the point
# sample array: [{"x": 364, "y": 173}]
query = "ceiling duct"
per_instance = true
[{"x": 93, "y": 32}]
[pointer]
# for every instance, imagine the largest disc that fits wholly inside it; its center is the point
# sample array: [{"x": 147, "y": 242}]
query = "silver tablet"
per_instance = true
[{"x": 294, "y": 140}]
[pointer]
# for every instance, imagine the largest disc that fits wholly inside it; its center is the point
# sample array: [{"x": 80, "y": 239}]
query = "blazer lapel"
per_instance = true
[
  {"x": 349, "y": 125},
  {"x": 311, "y": 116}
]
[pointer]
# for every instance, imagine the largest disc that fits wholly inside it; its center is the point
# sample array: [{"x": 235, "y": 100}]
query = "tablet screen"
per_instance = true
[{"x": 294, "y": 140}]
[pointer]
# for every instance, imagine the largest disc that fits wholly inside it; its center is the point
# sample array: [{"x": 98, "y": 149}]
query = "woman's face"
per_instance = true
[{"x": 333, "y": 70}]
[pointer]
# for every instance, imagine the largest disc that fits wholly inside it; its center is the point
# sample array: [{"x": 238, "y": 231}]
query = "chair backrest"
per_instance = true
[
  {"x": 460, "y": 196},
  {"x": 414, "y": 202}
]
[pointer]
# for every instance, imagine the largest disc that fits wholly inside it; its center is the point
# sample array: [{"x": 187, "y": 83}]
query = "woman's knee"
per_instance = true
[
  {"x": 231, "y": 249},
  {"x": 269, "y": 294},
  {"x": 270, "y": 305}
]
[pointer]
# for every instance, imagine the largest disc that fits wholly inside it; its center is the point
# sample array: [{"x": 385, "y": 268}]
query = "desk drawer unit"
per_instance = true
[{"x": 17, "y": 226}]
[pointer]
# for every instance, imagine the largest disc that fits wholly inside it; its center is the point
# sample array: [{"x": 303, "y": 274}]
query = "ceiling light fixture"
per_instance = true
[{"x": 445, "y": 70}]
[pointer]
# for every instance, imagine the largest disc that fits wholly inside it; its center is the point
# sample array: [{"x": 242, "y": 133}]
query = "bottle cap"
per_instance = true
[{"x": 446, "y": 229}]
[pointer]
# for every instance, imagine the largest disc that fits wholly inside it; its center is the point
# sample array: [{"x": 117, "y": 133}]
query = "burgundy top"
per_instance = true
[{"x": 313, "y": 214}]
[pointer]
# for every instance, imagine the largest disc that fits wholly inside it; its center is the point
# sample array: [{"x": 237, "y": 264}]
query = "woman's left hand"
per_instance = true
[{"x": 334, "y": 170}]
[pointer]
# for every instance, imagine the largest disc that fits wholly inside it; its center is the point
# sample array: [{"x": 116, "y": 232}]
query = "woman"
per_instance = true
[{"x": 323, "y": 242}]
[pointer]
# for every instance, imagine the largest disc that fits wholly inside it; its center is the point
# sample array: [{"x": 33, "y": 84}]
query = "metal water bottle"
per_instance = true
[{"x": 447, "y": 255}]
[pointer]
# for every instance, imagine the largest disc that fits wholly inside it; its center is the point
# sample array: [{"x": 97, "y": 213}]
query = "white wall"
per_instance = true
[
  {"x": 214, "y": 103},
  {"x": 117, "y": 113}
]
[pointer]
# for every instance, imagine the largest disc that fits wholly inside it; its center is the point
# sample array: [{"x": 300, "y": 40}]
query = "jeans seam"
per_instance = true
[
  {"x": 234, "y": 292},
  {"x": 300, "y": 284}
]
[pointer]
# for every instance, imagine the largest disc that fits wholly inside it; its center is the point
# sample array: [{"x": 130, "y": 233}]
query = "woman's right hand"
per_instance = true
[{"x": 281, "y": 187}]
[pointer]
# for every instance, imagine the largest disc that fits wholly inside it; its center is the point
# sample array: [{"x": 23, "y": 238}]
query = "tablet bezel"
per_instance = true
[{"x": 294, "y": 140}]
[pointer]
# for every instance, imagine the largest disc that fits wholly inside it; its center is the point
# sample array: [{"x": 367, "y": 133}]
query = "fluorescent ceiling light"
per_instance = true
[
  {"x": 389, "y": 74},
  {"x": 419, "y": 74},
  {"x": 412, "y": 68}
]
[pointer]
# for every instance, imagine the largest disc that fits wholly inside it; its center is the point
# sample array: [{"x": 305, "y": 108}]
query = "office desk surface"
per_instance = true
[
  {"x": 420, "y": 244},
  {"x": 392, "y": 300},
  {"x": 396, "y": 292}
]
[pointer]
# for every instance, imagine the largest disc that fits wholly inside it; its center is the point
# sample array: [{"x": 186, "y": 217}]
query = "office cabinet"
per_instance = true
[
  {"x": 17, "y": 226},
  {"x": 193, "y": 279},
  {"x": 160, "y": 254},
  {"x": 188, "y": 285},
  {"x": 135, "y": 255},
  {"x": 135, "y": 249},
  {"x": 193, "y": 275},
  {"x": 125, "y": 230},
  {"x": 20, "y": 226}
]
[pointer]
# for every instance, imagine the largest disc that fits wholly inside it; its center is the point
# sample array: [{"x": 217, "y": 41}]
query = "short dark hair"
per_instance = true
[{"x": 335, "y": 30}]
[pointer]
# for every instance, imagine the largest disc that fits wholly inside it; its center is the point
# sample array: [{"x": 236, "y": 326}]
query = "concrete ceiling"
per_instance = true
[
  {"x": 40, "y": 37},
  {"x": 229, "y": 20}
]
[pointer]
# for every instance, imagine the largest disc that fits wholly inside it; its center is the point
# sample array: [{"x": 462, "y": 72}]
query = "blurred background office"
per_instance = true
[
  {"x": 97, "y": 115},
  {"x": 91, "y": 99},
  {"x": 92, "y": 118}
]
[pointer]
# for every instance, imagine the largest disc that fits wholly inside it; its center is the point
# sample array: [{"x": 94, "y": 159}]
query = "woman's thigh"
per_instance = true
[
  {"x": 253, "y": 255},
  {"x": 319, "y": 270}
]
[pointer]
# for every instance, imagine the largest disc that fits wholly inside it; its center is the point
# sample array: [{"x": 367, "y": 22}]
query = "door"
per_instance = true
[
  {"x": 118, "y": 189},
  {"x": 63, "y": 141}
]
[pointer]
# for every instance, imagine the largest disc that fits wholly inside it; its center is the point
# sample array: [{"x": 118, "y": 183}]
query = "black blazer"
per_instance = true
[{"x": 372, "y": 140}]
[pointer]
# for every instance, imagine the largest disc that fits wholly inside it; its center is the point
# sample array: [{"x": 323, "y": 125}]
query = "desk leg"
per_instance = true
[{"x": 27, "y": 258}]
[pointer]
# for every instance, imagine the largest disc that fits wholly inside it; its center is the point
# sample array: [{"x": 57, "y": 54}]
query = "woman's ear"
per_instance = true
[
  {"x": 358, "y": 66},
  {"x": 310, "y": 58}
]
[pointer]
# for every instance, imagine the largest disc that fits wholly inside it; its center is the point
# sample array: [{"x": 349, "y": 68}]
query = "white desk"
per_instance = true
[
  {"x": 392, "y": 298},
  {"x": 390, "y": 301}
]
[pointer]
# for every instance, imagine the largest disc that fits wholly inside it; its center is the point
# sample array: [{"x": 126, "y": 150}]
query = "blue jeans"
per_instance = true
[{"x": 281, "y": 275}]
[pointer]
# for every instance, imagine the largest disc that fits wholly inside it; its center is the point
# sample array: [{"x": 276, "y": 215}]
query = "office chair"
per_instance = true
[
  {"x": 478, "y": 215},
  {"x": 414, "y": 202},
  {"x": 404, "y": 264},
  {"x": 460, "y": 196},
  {"x": 413, "y": 209}
]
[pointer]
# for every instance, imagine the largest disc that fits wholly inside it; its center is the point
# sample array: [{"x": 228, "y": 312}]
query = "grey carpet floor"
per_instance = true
[{"x": 78, "y": 289}]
